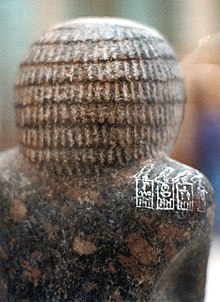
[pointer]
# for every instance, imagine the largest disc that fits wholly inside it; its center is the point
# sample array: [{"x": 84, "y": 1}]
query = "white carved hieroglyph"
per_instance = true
[{"x": 168, "y": 192}]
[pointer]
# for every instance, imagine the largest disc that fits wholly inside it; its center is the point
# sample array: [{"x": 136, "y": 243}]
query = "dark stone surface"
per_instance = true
[
  {"x": 85, "y": 239},
  {"x": 91, "y": 207}
]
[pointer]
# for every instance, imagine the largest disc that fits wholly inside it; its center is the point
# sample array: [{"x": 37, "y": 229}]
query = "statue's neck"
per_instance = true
[{"x": 87, "y": 161}]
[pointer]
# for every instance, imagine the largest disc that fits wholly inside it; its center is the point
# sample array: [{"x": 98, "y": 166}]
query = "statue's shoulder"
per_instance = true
[
  {"x": 16, "y": 176},
  {"x": 22, "y": 196},
  {"x": 169, "y": 185},
  {"x": 11, "y": 166}
]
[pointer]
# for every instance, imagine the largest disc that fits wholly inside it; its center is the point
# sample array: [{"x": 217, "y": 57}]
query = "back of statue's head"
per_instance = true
[{"x": 98, "y": 93}]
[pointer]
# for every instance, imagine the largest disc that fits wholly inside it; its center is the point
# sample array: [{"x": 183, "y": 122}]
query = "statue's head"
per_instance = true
[{"x": 99, "y": 92}]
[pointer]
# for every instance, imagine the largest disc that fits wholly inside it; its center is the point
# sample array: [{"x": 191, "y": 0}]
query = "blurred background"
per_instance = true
[{"x": 184, "y": 23}]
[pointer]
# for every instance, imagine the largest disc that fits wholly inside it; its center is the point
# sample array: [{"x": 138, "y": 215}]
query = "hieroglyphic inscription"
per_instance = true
[{"x": 169, "y": 191}]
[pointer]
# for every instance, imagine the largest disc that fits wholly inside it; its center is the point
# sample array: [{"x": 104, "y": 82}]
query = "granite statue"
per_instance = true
[{"x": 91, "y": 206}]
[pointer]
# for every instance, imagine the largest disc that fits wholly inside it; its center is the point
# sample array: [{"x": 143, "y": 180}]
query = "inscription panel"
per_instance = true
[{"x": 168, "y": 190}]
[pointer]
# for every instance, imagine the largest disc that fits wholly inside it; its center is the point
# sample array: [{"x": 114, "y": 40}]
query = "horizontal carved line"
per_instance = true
[
  {"x": 77, "y": 61},
  {"x": 66, "y": 81},
  {"x": 93, "y": 137},
  {"x": 113, "y": 71},
  {"x": 100, "y": 52},
  {"x": 153, "y": 141},
  {"x": 77, "y": 40},
  {"x": 63, "y": 163},
  {"x": 70, "y": 102},
  {"x": 71, "y": 125},
  {"x": 84, "y": 103},
  {"x": 64, "y": 139},
  {"x": 151, "y": 117},
  {"x": 116, "y": 34},
  {"x": 120, "y": 92}
]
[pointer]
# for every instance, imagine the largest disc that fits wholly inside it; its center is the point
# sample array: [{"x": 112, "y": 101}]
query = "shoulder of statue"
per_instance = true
[
  {"x": 17, "y": 176},
  {"x": 174, "y": 186}
]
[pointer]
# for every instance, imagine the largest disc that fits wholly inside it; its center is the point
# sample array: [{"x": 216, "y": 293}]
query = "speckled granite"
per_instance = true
[{"x": 91, "y": 207}]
